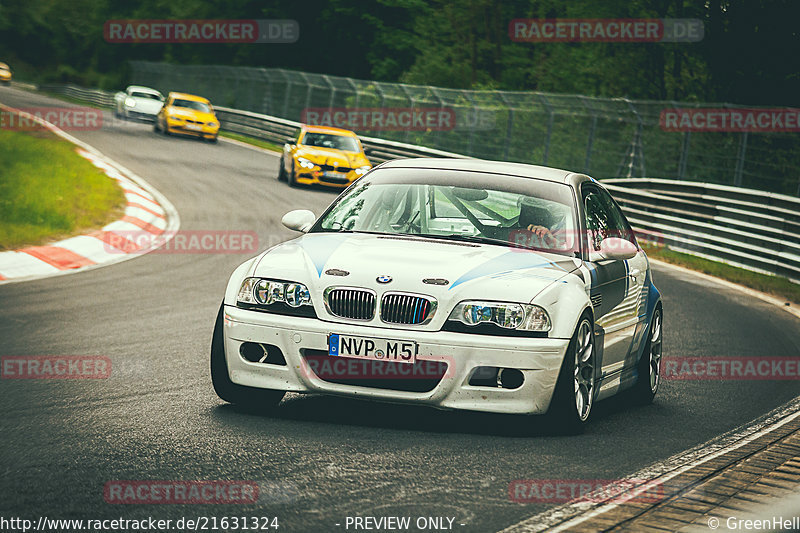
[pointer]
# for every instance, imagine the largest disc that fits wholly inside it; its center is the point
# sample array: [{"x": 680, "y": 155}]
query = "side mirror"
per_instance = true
[
  {"x": 614, "y": 248},
  {"x": 299, "y": 220},
  {"x": 290, "y": 141}
]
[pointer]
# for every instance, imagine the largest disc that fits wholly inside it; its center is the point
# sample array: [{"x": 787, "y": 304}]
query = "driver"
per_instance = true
[{"x": 541, "y": 222}]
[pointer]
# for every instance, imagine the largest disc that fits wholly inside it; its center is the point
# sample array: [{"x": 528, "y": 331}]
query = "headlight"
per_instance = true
[
  {"x": 130, "y": 102},
  {"x": 173, "y": 117},
  {"x": 363, "y": 170},
  {"x": 305, "y": 163},
  {"x": 213, "y": 124},
  {"x": 265, "y": 292},
  {"x": 522, "y": 317}
]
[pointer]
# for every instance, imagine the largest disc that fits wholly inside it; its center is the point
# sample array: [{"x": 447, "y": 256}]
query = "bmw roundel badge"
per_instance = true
[{"x": 383, "y": 279}]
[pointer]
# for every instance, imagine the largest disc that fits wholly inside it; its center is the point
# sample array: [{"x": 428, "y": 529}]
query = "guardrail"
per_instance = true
[
  {"x": 264, "y": 127},
  {"x": 751, "y": 229},
  {"x": 94, "y": 97},
  {"x": 278, "y": 130}
]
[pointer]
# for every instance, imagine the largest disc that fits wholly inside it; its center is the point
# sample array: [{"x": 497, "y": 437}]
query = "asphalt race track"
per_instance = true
[{"x": 319, "y": 459}]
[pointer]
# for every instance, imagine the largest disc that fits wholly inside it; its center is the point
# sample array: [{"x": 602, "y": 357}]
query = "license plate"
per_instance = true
[
  {"x": 332, "y": 174},
  {"x": 193, "y": 127},
  {"x": 370, "y": 348}
]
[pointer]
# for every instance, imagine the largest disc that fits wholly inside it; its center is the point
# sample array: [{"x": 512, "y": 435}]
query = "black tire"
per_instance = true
[
  {"x": 563, "y": 415},
  {"x": 649, "y": 368},
  {"x": 292, "y": 178},
  {"x": 155, "y": 126},
  {"x": 281, "y": 171},
  {"x": 228, "y": 390},
  {"x": 213, "y": 140}
]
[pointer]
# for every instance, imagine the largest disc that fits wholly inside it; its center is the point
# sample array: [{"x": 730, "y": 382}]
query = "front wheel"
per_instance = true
[
  {"x": 227, "y": 389},
  {"x": 649, "y": 368},
  {"x": 574, "y": 394},
  {"x": 281, "y": 171},
  {"x": 292, "y": 178}
]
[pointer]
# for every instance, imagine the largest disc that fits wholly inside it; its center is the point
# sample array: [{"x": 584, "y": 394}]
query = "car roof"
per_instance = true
[
  {"x": 491, "y": 167},
  {"x": 187, "y": 96},
  {"x": 142, "y": 89},
  {"x": 328, "y": 129}
]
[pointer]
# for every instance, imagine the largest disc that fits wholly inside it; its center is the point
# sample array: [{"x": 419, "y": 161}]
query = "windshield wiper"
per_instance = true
[{"x": 468, "y": 238}]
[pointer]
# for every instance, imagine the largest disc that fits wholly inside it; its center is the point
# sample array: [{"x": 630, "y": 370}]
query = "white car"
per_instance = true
[
  {"x": 453, "y": 283},
  {"x": 138, "y": 102}
]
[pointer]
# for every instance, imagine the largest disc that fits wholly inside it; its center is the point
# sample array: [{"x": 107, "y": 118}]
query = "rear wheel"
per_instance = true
[
  {"x": 227, "y": 389},
  {"x": 649, "y": 369},
  {"x": 573, "y": 397}
]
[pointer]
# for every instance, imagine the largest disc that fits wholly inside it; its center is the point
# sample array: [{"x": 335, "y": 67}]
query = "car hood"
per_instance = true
[
  {"x": 494, "y": 272},
  {"x": 191, "y": 115},
  {"x": 329, "y": 156}
]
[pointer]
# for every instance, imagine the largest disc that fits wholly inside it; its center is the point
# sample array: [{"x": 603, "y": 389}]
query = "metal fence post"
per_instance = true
[
  {"x": 333, "y": 92},
  {"x": 509, "y": 124},
  {"x": 687, "y": 137},
  {"x": 549, "y": 127},
  {"x": 286, "y": 95},
  {"x": 590, "y": 141},
  {"x": 437, "y": 140},
  {"x": 737, "y": 174}
]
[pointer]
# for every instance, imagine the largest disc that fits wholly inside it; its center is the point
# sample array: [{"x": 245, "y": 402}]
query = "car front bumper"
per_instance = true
[
  {"x": 317, "y": 177},
  {"x": 539, "y": 360},
  {"x": 203, "y": 130}
]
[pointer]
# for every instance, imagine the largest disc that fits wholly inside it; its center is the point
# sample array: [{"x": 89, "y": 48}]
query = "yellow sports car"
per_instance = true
[
  {"x": 187, "y": 114},
  {"x": 320, "y": 155},
  {"x": 5, "y": 74}
]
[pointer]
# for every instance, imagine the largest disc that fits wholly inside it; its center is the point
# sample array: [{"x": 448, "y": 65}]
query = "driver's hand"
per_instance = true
[{"x": 543, "y": 233}]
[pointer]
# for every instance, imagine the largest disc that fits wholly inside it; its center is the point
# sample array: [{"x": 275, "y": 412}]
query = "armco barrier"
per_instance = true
[{"x": 752, "y": 229}]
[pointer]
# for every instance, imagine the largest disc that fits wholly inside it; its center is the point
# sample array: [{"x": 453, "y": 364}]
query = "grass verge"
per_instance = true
[
  {"x": 48, "y": 192},
  {"x": 774, "y": 285},
  {"x": 252, "y": 140}
]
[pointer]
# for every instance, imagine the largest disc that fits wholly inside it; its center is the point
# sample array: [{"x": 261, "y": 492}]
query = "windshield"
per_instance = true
[
  {"x": 149, "y": 96},
  {"x": 191, "y": 104},
  {"x": 326, "y": 140},
  {"x": 516, "y": 212}
]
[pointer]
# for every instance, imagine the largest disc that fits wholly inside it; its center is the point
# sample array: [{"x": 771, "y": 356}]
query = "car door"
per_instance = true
[{"x": 611, "y": 288}]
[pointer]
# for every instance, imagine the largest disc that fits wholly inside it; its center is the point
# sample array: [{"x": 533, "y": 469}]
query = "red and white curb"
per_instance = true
[{"x": 150, "y": 220}]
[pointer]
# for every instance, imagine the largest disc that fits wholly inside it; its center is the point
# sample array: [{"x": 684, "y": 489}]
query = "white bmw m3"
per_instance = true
[{"x": 453, "y": 283}]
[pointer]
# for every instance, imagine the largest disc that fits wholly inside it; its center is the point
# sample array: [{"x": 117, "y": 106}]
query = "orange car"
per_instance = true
[{"x": 320, "y": 155}]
